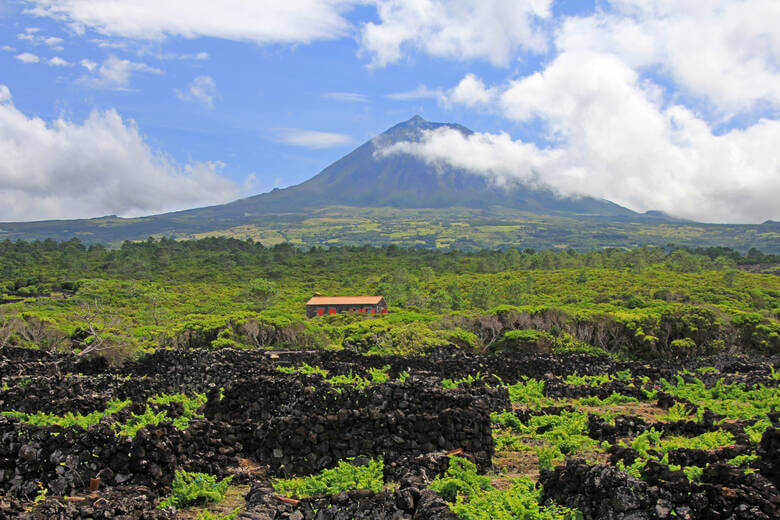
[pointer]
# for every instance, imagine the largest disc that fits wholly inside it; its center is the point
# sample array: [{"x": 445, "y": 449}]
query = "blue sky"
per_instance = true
[{"x": 140, "y": 107}]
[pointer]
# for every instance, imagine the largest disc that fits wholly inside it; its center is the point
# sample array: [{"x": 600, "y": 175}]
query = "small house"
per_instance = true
[{"x": 321, "y": 305}]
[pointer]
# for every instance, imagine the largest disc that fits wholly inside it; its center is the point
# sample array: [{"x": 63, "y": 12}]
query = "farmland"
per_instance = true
[{"x": 502, "y": 384}]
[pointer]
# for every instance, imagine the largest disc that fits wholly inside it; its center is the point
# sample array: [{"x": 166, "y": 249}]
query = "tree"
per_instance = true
[
  {"x": 261, "y": 292},
  {"x": 440, "y": 301},
  {"x": 482, "y": 295},
  {"x": 7, "y": 328},
  {"x": 98, "y": 331},
  {"x": 729, "y": 277}
]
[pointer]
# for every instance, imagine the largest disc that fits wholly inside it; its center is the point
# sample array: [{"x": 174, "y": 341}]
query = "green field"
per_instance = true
[{"x": 452, "y": 228}]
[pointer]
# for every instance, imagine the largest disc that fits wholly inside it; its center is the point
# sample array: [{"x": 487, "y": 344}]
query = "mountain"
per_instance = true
[
  {"x": 362, "y": 178},
  {"x": 367, "y": 198}
]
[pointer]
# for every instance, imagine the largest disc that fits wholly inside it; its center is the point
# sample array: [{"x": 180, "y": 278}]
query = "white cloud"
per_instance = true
[
  {"x": 291, "y": 21},
  {"x": 469, "y": 29},
  {"x": 59, "y": 62},
  {"x": 724, "y": 51},
  {"x": 202, "y": 89},
  {"x": 108, "y": 44},
  {"x": 27, "y": 57},
  {"x": 7, "y": 48},
  {"x": 88, "y": 64},
  {"x": 32, "y": 35},
  {"x": 421, "y": 92},
  {"x": 471, "y": 91},
  {"x": 198, "y": 56},
  {"x": 312, "y": 138},
  {"x": 114, "y": 73},
  {"x": 347, "y": 97},
  {"x": 5, "y": 94},
  {"x": 615, "y": 139},
  {"x": 63, "y": 169},
  {"x": 53, "y": 41}
]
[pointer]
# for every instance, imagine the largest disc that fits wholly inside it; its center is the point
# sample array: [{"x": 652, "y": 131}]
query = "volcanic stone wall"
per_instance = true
[
  {"x": 305, "y": 443},
  {"x": 725, "y": 491},
  {"x": 298, "y": 429},
  {"x": 411, "y": 500}
]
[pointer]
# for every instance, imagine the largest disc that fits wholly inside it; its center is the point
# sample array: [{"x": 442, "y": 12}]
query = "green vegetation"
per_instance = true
[
  {"x": 456, "y": 228},
  {"x": 651, "y": 445},
  {"x": 376, "y": 375},
  {"x": 644, "y": 304},
  {"x": 473, "y": 497},
  {"x": 70, "y": 419},
  {"x": 216, "y": 293},
  {"x": 207, "y": 515},
  {"x": 129, "y": 427},
  {"x": 564, "y": 434},
  {"x": 304, "y": 369},
  {"x": 455, "y": 383},
  {"x": 729, "y": 399},
  {"x": 344, "y": 477},
  {"x": 195, "y": 488},
  {"x": 529, "y": 393}
]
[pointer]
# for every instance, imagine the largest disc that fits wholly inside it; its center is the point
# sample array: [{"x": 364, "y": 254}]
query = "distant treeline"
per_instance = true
[{"x": 73, "y": 259}]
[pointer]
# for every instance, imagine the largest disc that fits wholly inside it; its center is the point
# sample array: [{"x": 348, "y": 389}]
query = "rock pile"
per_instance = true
[{"x": 604, "y": 492}]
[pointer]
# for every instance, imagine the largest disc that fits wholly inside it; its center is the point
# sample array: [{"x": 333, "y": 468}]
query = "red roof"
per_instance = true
[{"x": 345, "y": 300}]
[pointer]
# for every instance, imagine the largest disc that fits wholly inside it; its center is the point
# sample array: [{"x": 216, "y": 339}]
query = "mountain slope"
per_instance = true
[
  {"x": 363, "y": 179},
  {"x": 364, "y": 198}
]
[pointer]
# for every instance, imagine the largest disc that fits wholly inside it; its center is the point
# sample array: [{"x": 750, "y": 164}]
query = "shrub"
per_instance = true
[
  {"x": 473, "y": 497},
  {"x": 460, "y": 480},
  {"x": 344, "y": 477},
  {"x": 524, "y": 340},
  {"x": 208, "y": 515},
  {"x": 195, "y": 488}
]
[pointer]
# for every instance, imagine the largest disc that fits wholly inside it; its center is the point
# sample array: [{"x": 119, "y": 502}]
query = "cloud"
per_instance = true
[
  {"x": 312, "y": 138},
  {"x": 614, "y": 138},
  {"x": 27, "y": 57},
  {"x": 33, "y": 36},
  {"x": 202, "y": 89},
  {"x": 470, "y": 29},
  {"x": 108, "y": 44},
  {"x": 59, "y": 62},
  {"x": 347, "y": 97},
  {"x": 64, "y": 169},
  {"x": 471, "y": 91},
  {"x": 723, "y": 51},
  {"x": 88, "y": 64},
  {"x": 198, "y": 56},
  {"x": 53, "y": 41},
  {"x": 7, "y": 48},
  {"x": 114, "y": 73},
  {"x": 421, "y": 92},
  {"x": 292, "y": 21},
  {"x": 5, "y": 94}
]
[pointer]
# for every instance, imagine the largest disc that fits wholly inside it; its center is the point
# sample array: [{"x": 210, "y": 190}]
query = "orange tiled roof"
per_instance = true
[{"x": 344, "y": 300}]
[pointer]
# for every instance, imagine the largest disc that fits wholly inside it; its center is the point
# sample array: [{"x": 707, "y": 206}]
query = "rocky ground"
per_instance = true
[{"x": 264, "y": 416}]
